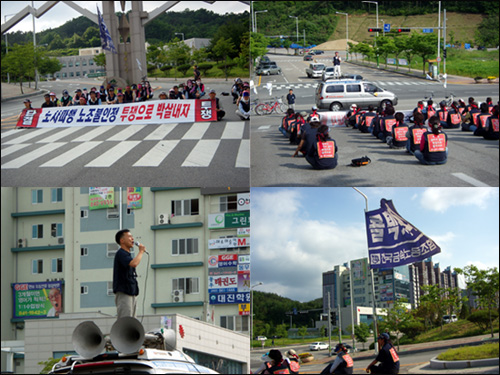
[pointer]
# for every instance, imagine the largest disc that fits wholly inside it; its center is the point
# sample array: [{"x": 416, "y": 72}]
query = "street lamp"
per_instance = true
[
  {"x": 297, "y": 21},
  {"x": 6, "y": 44},
  {"x": 346, "y": 34},
  {"x": 251, "y": 309},
  {"x": 180, "y": 34},
  {"x": 255, "y": 15},
  {"x": 376, "y": 35}
]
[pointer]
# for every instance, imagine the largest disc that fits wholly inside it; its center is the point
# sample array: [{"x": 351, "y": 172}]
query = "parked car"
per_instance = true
[
  {"x": 449, "y": 318},
  {"x": 261, "y": 338},
  {"x": 336, "y": 95},
  {"x": 318, "y": 52},
  {"x": 308, "y": 58},
  {"x": 315, "y": 70},
  {"x": 268, "y": 69},
  {"x": 327, "y": 73},
  {"x": 318, "y": 346}
]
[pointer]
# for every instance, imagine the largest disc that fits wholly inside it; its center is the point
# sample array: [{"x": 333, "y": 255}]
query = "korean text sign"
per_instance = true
[
  {"x": 151, "y": 112},
  {"x": 393, "y": 241},
  {"x": 36, "y": 300},
  {"x": 101, "y": 197}
]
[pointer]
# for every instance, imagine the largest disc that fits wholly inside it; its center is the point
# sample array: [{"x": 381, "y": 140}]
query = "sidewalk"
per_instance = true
[{"x": 13, "y": 91}]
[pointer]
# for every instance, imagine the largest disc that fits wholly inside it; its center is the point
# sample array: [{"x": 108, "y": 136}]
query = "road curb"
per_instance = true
[
  {"x": 39, "y": 92},
  {"x": 437, "y": 364}
]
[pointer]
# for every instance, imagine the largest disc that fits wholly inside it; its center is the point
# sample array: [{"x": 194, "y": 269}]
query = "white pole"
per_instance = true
[
  {"x": 34, "y": 46},
  {"x": 439, "y": 38},
  {"x": 444, "y": 41},
  {"x": 352, "y": 304},
  {"x": 329, "y": 326}
]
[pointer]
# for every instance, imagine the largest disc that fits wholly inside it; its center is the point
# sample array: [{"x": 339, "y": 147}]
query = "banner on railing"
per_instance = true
[{"x": 141, "y": 113}]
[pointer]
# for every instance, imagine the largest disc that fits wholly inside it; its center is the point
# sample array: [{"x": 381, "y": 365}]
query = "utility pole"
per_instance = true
[
  {"x": 439, "y": 39},
  {"x": 340, "y": 320},
  {"x": 444, "y": 57},
  {"x": 352, "y": 304},
  {"x": 329, "y": 326}
]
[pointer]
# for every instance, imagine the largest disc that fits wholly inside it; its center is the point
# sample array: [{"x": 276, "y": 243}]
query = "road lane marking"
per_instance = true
[
  {"x": 13, "y": 148},
  {"x": 233, "y": 130},
  {"x": 161, "y": 132},
  {"x": 470, "y": 180},
  {"x": 32, "y": 156},
  {"x": 10, "y": 132},
  {"x": 71, "y": 155},
  {"x": 197, "y": 131},
  {"x": 157, "y": 154},
  {"x": 59, "y": 135},
  {"x": 113, "y": 155},
  {"x": 202, "y": 154},
  {"x": 265, "y": 127},
  {"x": 92, "y": 134},
  {"x": 127, "y": 133},
  {"x": 31, "y": 133},
  {"x": 243, "y": 158}
]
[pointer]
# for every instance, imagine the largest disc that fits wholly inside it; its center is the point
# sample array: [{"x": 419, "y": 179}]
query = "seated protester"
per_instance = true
[
  {"x": 235, "y": 89},
  {"x": 286, "y": 122},
  {"x": 200, "y": 89},
  {"x": 351, "y": 116},
  {"x": 112, "y": 97},
  {"x": 190, "y": 89},
  {"x": 314, "y": 112},
  {"x": 308, "y": 137},
  {"x": 489, "y": 101},
  {"x": 398, "y": 138},
  {"x": 76, "y": 98},
  {"x": 343, "y": 363},
  {"x": 244, "y": 107},
  {"x": 293, "y": 361},
  {"x": 469, "y": 120},
  {"x": 120, "y": 98},
  {"x": 419, "y": 107},
  {"x": 178, "y": 94},
  {"x": 323, "y": 152},
  {"x": 454, "y": 119},
  {"x": 433, "y": 146},
  {"x": 102, "y": 94},
  {"x": 471, "y": 104},
  {"x": 462, "y": 108},
  {"x": 386, "y": 124},
  {"x": 491, "y": 131},
  {"x": 276, "y": 365},
  {"x": 48, "y": 103},
  {"x": 163, "y": 96},
  {"x": 218, "y": 106},
  {"x": 128, "y": 95},
  {"x": 365, "y": 124},
  {"x": 83, "y": 101},
  {"x": 442, "y": 113},
  {"x": 171, "y": 94},
  {"x": 297, "y": 127},
  {"x": 94, "y": 100},
  {"x": 66, "y": 99},
  {"x": 481, "y": 120},
  {"x": 429, "y": 111},
  {"x": 148, "y": 91},
  {"x": 27, "y": 104},
  {"x": 97, "y": 92},
  {"x": 414, "y": 133},
  {"x": 387, "y": 356}
]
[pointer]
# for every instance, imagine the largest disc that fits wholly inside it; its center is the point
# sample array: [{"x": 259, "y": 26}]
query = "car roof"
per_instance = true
[{"x": 344, "y": 81}]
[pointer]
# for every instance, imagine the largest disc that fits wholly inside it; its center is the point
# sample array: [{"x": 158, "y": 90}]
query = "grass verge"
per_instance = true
[
  {"x": 466, "y": 353},
  {"x": 289, "y": 342}
]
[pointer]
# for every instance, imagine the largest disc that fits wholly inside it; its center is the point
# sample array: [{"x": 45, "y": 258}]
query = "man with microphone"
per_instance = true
[{"x": 125, "y": 285}]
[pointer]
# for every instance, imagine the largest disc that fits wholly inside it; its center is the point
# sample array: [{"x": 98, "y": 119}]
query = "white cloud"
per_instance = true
[
  {"x": 290, "y": 252},
  {"x": 441, "y": 199},
  {"x": 444, "y": 241}
]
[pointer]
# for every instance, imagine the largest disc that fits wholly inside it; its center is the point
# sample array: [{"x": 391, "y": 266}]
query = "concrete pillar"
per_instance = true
[{"x": 137, "y": 43}]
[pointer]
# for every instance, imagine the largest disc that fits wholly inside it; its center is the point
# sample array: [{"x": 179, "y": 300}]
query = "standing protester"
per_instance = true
[
  {"x": 27, "y": 104},
  {"x": 387, "y": 356},
  {"x": 433, "y": 145},
  {"x": 197, "y": 73},
  {"x": 336, "y": 65},
  {"x": 343, "y": 363},
  {"x": 125, "y": 285},
  {"x": 291, "y": 99}
]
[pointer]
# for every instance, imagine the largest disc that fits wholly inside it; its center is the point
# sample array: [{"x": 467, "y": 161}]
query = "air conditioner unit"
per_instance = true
[
  {"x": 162, "y": 219},
  {"x": 22, "y": 242},
  {"x": 178, "y": 296},
  {"x": 60, "y": 240}
]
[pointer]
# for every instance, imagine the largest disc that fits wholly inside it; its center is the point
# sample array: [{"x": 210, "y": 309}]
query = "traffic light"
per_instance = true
[
  {"x": 333, "y": 318},
  {"x": 404, "y": 30},
  {"x": 444, "y": 53},
  {"x": 374, "y": 29}
]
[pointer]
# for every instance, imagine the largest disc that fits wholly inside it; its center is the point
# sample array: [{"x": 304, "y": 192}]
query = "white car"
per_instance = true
[
  {"x": 318, "y": 346},
  {"x": 328, "y": 73}
]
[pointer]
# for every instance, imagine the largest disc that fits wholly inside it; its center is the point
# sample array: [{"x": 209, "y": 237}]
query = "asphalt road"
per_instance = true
[
  {"x": 472, "y": 161},
  {"x": 176, "y": 155}
]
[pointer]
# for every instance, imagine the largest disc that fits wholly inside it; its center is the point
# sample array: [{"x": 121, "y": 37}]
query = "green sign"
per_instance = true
[
  {"x": 101, "y": 197},
  {"x": 37, "y": 300},
  {"x": 237, "y": 219}
]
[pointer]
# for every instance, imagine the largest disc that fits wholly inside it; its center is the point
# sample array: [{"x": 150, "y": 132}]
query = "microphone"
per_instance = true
[{"x": 136, "y": 243}]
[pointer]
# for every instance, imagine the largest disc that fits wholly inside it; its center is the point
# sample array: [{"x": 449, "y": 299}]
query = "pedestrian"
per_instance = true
[
  {"x": 218, "y": 106},
  {"x": 197, "y": 73},
  {"x": 336, "y": 65},
  {"x": 276, "y": 365},
  {"x": 343, "y": 363},
  {"x": 433, "y": 145},
  {"x": 244, "y": 107},
  {"x": 387, "y": 356},
  {"x": 48, "y": 103},
  {"x": 323, "y": 152},
  {"x": 125, "y": 285},
  {"x": 291, "y": 99}
]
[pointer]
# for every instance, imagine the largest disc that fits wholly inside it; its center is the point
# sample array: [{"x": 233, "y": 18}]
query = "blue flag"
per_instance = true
[
  {"x": 393, "y": 241},
  {"x": 106, "y": 41}
]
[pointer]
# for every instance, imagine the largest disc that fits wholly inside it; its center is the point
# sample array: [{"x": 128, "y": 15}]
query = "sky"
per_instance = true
[
  {"x": 299, "y": 233},
  {"x": 61, "y": 13}
]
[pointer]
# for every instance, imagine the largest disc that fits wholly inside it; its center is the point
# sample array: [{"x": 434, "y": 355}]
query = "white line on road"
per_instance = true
[
  {"x": 161, "y": 132},
  {"x": 470, "y": 180},
  {"x": 71, "y": 155},
  {"x": 32, "y": 156},
  {"x": 13, "y": 148},
  {"x": 202, "y": 154},
  {"x": 10, "y": 132},
  {"x": 111, "y": 156},
  {"x": 265, "y": 127},
  {"x": 243, "y": 158},
  {"x": 59, "y": 135},
  {"x": 92, "y": 134},
  {"x": 198, "y": 129},
  {"x": 233, "y": 130},
  {"x": 127, "y": 133},
  {"x": 157, "y": 154},
  {"x": 31, "y": 133}
]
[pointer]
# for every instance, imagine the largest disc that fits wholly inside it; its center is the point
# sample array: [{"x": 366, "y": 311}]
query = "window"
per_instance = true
[
  {"x": 64, "y": 65},
  {"x": 36, "y": 196},
  {"x": 65, "y": 75},
  {"x": 78, "y": 74},
  {"x": 84, "y": 63},
  {"x": 91, "y": 62},
  {"x": 84, "y": 251},
  {"x": 84, "y": 289},
  {"x": 228, "y": 203},
  {"x": 110, "y": 288},
  {"x": 57, "y": 265},
  {"x": 70, "y": 64},
  {"x": 57, "y": 195},
  {"x": 37, "y": 231},
  {"x": 56, "y": 230},
  {"x": 77, "y": 63},
  {"x": 190, "y": 285},
  {"x": 185, "y": 207},
  {"x": 37, "y": 266},
  {"x": 111, "y": 249},
  {"x": 84, "y": 213},
  {"x": 370, "y": 87},
  {"x": 187, "y": 246},
  {"x": 335, "y": 88},
  {"x": 353, "y": 88},
  {"x": 112, "y": 213},
  {"x": 71, "y": 74},
  {"x": 235, "y": 323}
]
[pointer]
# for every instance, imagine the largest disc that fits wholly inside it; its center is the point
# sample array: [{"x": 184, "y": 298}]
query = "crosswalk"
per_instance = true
[
  {"x": 384, "y": 84},
  {"x": 166, "y": 145}
]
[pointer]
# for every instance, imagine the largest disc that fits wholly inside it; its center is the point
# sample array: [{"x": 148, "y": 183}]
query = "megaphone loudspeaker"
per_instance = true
[
  {"x": 88, "y": 339},
  {"x": 127, "y": 335}
]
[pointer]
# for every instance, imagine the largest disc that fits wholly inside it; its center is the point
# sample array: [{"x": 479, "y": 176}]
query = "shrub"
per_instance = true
[{"x": 481, "y": 318}]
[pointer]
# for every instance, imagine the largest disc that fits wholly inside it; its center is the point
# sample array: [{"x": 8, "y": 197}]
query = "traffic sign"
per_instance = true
[
  {"x": 427, "y": 30},
  {"x": 387, "y": 27},
  {"x": 438, "y": 59}
]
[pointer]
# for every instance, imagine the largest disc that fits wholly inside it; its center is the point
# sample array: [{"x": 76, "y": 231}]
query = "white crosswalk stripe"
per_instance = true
[
  {"x": 118, "y": 145},
  {"x": 282, "y": 86}
]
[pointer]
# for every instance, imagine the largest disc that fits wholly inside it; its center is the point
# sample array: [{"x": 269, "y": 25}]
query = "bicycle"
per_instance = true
[{"x": 267, "y": 108}]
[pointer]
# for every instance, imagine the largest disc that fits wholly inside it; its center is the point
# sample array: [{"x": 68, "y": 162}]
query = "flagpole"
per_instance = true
[{"x": 375, "y": 330}]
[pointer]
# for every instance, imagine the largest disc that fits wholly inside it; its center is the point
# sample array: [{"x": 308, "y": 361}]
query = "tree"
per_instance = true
[
  {"x": 386, "y": 46},
  {"x": 424, "y": 46},
  {"x": 396, "y": 317},
  {"x": 361, "y": 332},
  {"x": 100, "y": 59},
  {"x": 410, "y": 51},
  {"x": 365, "y": 49},
  {"x": 287, "y": 43},
  {"x": 401, "y": 43},
  {"x": 281, "y": 330},
  {"x": 177, "y": 53},
  {"x": 481, "y": 318},
  {"x": 222, "y": 49},
  {"x": 20, "y": 62},
  {"x": 487, "y": 32},
  {"x": 49, "y": 65},
  {"x": 435, "y": 298},
  {"x": 275, "y": 43},
  {"x": 258, "y": 45},
  {"x": 302, "y": 332}
]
